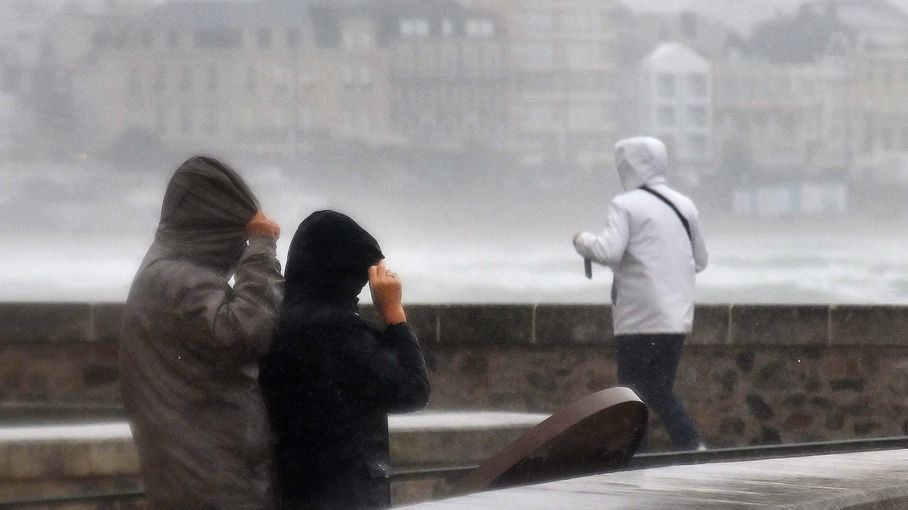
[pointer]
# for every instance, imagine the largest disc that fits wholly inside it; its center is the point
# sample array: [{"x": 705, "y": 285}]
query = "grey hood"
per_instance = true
[
  {"x": 204, "y": 215},
  {"x": 190, "y": 345},
  {"x": 641, "y": 160}
]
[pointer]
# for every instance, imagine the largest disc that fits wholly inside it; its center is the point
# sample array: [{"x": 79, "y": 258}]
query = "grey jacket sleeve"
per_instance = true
[{"x": 234, "y": 323}]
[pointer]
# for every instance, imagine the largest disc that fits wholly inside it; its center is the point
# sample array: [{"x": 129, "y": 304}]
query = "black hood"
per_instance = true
[
  {"x": 203, "y": 219},
  {"x": 329, "y": 259}
]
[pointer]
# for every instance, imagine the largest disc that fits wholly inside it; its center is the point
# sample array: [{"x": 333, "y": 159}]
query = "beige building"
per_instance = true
[
  {"x": 450, "y": 74},
  {"x": 829, "y": 99},
  {"x": 248, "y": 77},
  {"x": 284, "y": 78},
  {"x": 773, "y": 110},
  {"x": 563, "y": 57}
]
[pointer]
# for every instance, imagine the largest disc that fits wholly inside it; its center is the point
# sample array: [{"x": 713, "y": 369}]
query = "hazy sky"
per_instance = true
[{"x": 740, "y": 14}]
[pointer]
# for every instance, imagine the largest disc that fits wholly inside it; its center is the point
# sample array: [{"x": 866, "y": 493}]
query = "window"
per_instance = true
[
  {"x": 186, "y": 79},
  {"x": 212, "y": 78},
  {"x": 729, "y": 89},
  {"x": 539, "y": 116},
  {"x": 119, "y": 40},
  {"x": 665, "y": 84},
  {"x": 250, "y": 79},
  {"x": 160, "y": 119},
  {"x": 147, "y": 39},
  {"x": 160, "y": 80},
  {"x": 539, "y": 54},
  {"x": 173, "y": 39},
  {"x": 696, "y": 85},
  {"x": 186, "y": 121},
  {"x": 135, "y": 83},
  {"x": 410, "y": 27},
  {"x": 263, "y": 37},
  {"x": 212, "y": 125},
  {"x": 696, "y": 145},
  {"x": 101, "y": 39},
  {"x": 218, "y": 38},
  {"x": 447, "y": 28},
  {"x": 696, "y": 115},
  {"x": 581, "y": 55},
  {"x": 535, "y": 22},
  {"x": 479, "y": 28},
  {"x": 293, "y": 37},
  {"x": 665, "y": 115}
]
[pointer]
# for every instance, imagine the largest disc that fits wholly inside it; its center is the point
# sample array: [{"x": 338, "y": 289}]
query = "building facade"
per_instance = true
[
  {"x": 564, "y": 61},
  {"x": 675, "y": 98}
]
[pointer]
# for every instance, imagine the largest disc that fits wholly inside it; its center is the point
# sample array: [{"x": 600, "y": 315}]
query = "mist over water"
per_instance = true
[
  {"x": 78, "y": 232},
  {"x": 475, "y": 218}
]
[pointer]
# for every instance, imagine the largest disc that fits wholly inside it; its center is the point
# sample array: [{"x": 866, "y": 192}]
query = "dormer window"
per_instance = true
[
  {"x": 414, "y": 27},
  {"x": 480, "y": 28}
]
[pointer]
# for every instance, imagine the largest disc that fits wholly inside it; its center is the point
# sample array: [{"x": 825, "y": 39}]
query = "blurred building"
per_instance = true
[
  {"x": 449, "y": 74},
  {"x": 24, "y": 23},
  {"x": 284, "y": 77},
  {"x": 770, "y": 116},
  {"x": 565, "y": 74},
  {"x": 241, "y": 76},
  {"x": 675, "y": 98},
  {"x": 816, "y": 93}
]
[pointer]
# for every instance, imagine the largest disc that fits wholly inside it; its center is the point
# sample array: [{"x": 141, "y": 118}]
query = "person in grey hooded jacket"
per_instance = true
[
  {"x": 654, "y": 245},
  {"x": 190, "y": 345}
]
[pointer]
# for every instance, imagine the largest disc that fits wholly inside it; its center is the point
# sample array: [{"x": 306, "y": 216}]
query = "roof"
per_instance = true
[
  {"x": 388, "y": 13},
  {"x": 869, "y": 14},
  {"x": 676, "y": 56},
  {"x": 206, "y": 14},
  {"x": 800, "y": 39}
]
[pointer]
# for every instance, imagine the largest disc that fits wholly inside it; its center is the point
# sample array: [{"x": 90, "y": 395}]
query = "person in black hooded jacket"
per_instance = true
[{"x": 330, "y": 378}]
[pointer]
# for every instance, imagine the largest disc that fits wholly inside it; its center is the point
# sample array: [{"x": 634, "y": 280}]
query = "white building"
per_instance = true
[{"x": 675, "y": 105}]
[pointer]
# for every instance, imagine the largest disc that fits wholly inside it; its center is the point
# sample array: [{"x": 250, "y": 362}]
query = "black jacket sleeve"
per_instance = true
[{"x": 386, "y": 369}]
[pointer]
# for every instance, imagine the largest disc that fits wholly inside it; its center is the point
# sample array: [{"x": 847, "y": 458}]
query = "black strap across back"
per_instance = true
[{"x": 670, "y": 204}]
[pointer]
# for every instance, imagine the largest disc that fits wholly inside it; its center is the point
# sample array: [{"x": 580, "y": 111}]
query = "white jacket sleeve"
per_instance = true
[
  {"x": 701, "y": 256},
  {"x": 607, "y": 248}
]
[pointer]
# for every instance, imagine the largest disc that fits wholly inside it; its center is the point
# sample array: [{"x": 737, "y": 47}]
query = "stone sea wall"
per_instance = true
[{"x": 750, "y": 374}]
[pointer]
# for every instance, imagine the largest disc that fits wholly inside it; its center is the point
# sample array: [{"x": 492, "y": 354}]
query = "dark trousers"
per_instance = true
[{"x": 647, "y": 364}]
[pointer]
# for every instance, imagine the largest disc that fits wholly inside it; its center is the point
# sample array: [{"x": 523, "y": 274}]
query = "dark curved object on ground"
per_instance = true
[{"x": 595, "y": 434}]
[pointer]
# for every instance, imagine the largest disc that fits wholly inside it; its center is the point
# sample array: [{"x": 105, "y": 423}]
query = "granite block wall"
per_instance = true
[{"x": 750, "y": 374}]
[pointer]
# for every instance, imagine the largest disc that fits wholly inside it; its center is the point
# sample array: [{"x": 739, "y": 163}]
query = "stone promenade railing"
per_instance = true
[{"x": 751, "y": 374}]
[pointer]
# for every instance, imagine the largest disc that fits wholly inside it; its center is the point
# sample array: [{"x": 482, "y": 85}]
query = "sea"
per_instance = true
[{"x": 79, "y": 236}]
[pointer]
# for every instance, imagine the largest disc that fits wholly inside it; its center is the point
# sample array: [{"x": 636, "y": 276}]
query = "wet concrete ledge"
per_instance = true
[
  {"x": 78, "y": 458},
  {"x": 528, "y": 324},
  {"x": 855, "y": 481},
  {"x": 106, "y": 448}
]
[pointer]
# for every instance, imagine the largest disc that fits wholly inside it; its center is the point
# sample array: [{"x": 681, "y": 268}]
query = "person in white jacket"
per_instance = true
[{"x": 654, "y": 246}]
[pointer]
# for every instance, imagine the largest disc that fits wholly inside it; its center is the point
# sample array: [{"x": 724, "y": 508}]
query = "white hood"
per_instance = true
[{"x": 641, "y": 160}]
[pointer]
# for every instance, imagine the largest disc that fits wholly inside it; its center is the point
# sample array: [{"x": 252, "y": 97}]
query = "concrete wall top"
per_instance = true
[{"x": 529, "y": 324}]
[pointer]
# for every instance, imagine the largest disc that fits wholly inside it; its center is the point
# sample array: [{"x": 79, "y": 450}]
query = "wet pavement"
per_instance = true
[{"x": 857, "y": 481}]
